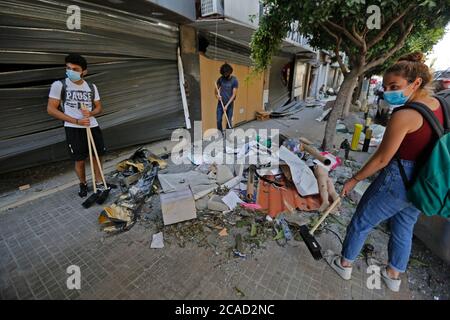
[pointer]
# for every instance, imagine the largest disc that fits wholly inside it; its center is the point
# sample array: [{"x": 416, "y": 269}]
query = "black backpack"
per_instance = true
[{"x": 64, "y": 89}]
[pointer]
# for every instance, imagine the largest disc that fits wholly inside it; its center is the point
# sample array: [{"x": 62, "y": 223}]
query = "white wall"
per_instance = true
[{"x": 240, "y": 10}]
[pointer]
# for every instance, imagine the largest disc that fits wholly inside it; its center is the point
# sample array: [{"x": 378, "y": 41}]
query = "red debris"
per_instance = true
[{"x": 285, "y": 198}]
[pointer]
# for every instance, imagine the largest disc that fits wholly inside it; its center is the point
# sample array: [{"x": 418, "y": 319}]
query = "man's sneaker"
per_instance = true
[
  {"x": 392, "y": 284},
  {"x": 334, "y": 260},
  {"x": 83, "y": 190}
]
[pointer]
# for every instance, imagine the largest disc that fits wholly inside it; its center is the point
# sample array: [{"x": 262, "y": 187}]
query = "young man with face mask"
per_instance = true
[
  {"x": 228, "y": 86},
  {"x": 77, "y": 102}
]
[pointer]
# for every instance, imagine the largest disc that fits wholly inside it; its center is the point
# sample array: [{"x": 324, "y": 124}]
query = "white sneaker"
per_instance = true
[
  {"x": 392, "y": 284},
  {"x": 334, "y": 260}
]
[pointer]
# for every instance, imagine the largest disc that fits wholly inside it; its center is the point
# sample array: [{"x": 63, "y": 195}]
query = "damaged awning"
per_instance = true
[
  {"x": 227, "y": 40},
  {"x": 132, "y": 60}
]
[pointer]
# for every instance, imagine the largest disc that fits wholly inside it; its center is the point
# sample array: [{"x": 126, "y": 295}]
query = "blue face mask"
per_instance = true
[
  {"x": 396, "y": 97},
  {"x": 73, "y": 75}
]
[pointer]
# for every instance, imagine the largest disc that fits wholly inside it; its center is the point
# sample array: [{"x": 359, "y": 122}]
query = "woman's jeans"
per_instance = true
[
  {"x": 385, "y": 199},
  {"x": 220, "y": 116}
]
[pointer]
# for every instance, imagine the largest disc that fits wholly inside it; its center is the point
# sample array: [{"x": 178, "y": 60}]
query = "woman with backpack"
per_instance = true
[{"x": 408, "y": 139}]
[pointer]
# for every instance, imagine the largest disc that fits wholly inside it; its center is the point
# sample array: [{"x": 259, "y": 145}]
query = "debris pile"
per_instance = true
[{"x": 231, "y": 208}]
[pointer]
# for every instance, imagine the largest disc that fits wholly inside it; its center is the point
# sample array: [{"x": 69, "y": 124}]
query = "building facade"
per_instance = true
[{"x": 154, "y": 61}]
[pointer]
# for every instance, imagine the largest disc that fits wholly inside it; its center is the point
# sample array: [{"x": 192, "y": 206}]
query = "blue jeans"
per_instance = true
[
  {"x": 385, "y": 199},
  {"x": 220, "y": 116}
]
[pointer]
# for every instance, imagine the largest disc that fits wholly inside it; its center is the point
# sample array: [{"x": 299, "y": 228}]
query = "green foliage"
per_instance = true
[
  {"x": 335, "y": 24},
  {"x": 422, "y": 42}
]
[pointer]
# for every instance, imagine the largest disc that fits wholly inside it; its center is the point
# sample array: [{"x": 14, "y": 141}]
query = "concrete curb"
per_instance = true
[{"x": 109, "y": 167}]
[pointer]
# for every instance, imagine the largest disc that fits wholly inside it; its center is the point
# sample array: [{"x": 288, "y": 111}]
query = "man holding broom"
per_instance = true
[
  {"x": 77, "y": 102},
  {"x": 226, "y": 91}
]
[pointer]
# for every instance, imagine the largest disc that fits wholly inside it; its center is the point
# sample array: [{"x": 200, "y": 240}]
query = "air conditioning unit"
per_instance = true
[{"x": 212, "y": 7}]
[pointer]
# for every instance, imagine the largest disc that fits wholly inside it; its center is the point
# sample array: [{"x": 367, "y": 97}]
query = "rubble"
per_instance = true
[
  {"x": 202, "y": 203},
  {"x": 358, "y": 191},
  {"x": 157, "y": 241},
  {"x": 342, "y": 174},
  {"x": 215, "y": 203},
  {"x": 210, "y": 205},
  {"x": 122, "y": 214},
  {"x": 223, "y": 174},
  {"x": 178, "y": 206}
]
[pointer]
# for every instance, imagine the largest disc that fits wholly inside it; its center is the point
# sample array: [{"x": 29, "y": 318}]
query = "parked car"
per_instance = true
[{"x": 441, "y": 80}]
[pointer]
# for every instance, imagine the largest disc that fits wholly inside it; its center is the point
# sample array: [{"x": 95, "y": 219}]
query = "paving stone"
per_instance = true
[{"x": 59, "y": 233}]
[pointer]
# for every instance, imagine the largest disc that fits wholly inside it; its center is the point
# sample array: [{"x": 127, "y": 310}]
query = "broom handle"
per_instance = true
[
  {"x": 91, "y": 161},
  {"x": 223, "y": 107},
  {"x": 96, "y": 157},
  {"x": 325, "y": 215}
]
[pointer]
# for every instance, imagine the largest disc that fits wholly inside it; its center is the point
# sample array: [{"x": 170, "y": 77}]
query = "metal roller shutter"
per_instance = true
[
  {"x": 279, "y": 92},
  {"x": 222, "y": 49},
  {"x": 132, "y": 60}
]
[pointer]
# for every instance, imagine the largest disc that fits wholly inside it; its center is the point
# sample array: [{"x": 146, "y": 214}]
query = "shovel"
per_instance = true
[{"x": 308, "y": 236}]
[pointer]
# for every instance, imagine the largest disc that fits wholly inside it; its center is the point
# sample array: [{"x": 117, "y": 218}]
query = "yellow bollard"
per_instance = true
[{"x": 355, "y": 140}]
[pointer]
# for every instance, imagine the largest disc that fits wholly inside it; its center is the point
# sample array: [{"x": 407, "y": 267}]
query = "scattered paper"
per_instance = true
[
  {"x": 231, "y": 200},
  {"x": 302, "y": 175},
  {"x": 272, "y": 171},
  {"x": 157, "y": 241},
  {"x": 223, "y": 233}
]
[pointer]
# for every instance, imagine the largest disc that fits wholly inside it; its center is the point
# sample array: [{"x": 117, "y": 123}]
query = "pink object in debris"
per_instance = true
[
  {"x": 335, "y": 161},
  {"x": 251, "y": 206}
]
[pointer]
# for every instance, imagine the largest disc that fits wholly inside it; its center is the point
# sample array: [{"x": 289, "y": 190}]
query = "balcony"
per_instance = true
[{"x": 237, "y": 20}]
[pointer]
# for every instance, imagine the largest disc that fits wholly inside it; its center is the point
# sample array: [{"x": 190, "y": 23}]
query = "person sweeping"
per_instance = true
[
  {"x": 226, "y": 92},
  {"x": 408, "y": 140}
]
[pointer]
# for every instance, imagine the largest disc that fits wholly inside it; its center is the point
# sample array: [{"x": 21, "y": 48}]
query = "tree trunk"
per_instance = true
[
  {"x": 348, "y": 102},
  {"x": 358, "y": 90},
  {"x": 343, "y": 100}
]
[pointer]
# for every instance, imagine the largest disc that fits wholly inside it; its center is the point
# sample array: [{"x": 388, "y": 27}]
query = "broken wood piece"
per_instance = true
[
  {"x": 262, "y": 115},
  {"x": 316, "y": 154},
  {"x": 251, "y": 183},
  {"x": 24, "y": 187},
  {"x": 305, "y": 141},
  {"x": 223, "y": 232}
]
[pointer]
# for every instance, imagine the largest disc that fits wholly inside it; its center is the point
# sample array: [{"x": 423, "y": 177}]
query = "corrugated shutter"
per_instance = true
[
  {"x": 278, "y": 89},
  {"x": 132, "y": 60},
  {"x": 222, "y": 49}
]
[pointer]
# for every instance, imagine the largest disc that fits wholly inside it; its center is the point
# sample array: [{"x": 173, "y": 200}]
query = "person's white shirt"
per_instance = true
[{"x": 76, "y": 95}]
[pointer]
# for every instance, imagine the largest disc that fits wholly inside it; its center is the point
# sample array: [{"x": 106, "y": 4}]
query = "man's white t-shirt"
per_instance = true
[{"x": 76, "y": 95}]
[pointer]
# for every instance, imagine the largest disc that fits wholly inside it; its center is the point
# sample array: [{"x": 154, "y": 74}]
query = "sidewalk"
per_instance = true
[{"x": 41, "y": 235}]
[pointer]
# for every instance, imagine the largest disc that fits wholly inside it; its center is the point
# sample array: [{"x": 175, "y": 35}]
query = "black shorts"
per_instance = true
[{"x": 77, "y": 143}]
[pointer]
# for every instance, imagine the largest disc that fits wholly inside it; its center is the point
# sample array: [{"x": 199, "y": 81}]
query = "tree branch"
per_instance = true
[
  {"x": 360, "y": 39},
  {"x": 337, "y": 49},
  {"x": 346, "y": 33},
  {"x": 390, "y": 52},
  {"x": 387, "y": 27}
]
